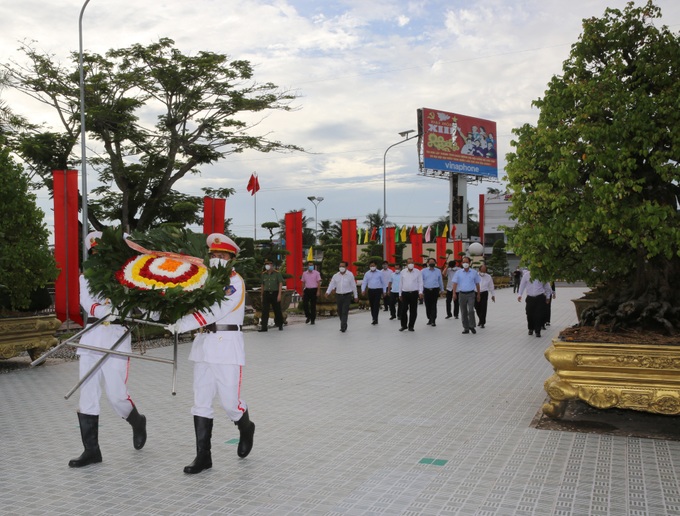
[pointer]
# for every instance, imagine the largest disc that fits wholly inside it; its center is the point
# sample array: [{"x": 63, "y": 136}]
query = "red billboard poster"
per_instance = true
[{"x": 459, "y": 144}]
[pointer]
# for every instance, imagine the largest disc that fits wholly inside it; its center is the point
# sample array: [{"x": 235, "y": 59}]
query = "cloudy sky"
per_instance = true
[{"x": 361, "y": 68}]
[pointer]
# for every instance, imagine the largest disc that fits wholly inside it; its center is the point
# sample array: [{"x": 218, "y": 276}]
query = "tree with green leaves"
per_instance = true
[
  {"x": 498, "y": 262},
  {"x": 595, "y": 182},
  {"x": 157, "y": 114},
  {"x": 26, "y": 263}
]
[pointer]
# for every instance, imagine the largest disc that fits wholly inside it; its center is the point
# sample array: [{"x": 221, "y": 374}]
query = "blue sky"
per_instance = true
[{"x": 361, "y": 68}]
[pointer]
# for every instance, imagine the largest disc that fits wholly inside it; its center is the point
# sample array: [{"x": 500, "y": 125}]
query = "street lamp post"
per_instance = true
[
  {"x": 83, "y": 164},
  {"x": 405, "y": 135},
  {"x": 316, "y": 201}
]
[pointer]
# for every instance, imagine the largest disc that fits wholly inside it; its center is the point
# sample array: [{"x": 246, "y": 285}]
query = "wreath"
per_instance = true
[{"x": 164, "y": 271}]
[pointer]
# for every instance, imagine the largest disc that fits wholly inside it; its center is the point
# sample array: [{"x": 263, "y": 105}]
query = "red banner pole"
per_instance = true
[
  {"x": 294, "y": 248},
  {"x": 481, "y": 217},
  {"x": 417, "y": 248},
  {"x": 441, "y": 251},
  {"x": 208, "y": 215},
  {"x": 390, "y": 245}
]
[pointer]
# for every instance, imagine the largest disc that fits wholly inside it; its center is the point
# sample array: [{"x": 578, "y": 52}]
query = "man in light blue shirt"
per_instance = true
[
  {"x": 465, "y": 286},
  {"x": 433, "y": 284},
  {"x": 375, "y": 283},
  {"x": 393, "y": 289}
]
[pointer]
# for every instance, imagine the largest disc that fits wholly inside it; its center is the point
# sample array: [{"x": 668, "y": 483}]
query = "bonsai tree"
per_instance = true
[
  {"x": 26, "y": 263},
  {"x": 595, "y": 182},
  {"x": 498, "y": 262}
]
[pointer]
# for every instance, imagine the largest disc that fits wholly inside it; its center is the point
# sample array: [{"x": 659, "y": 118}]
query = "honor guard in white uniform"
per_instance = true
[
  {"x": 219, "y": 356},
  {"x": 114, "y": 372}
]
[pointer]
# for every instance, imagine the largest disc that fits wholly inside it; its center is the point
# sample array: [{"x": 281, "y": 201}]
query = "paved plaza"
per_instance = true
[{"x": 369, "y": 422}]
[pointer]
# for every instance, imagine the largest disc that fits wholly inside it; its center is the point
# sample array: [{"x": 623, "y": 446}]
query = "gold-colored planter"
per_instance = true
[
  {"x": 628, "y": 376},
  {"x": 33, "y": 334}
]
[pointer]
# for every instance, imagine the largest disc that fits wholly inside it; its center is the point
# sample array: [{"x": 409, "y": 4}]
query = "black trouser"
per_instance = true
[
  {"x": 269, "y": 299},
  {"x": 409, "y": 309},
  {"x": 374, "y": 295},
  {"x": 309, "y": 303},
  {"x": 342, "y": 302},
  {"x": 395, "y": 305},
  {"x": 431, "y": 296},
  {"x": 386, "y": 303},
  {"x": 481, "y": 306},
  {"x": 456, "y": 304},
  {"x": 535, "y": 308}
]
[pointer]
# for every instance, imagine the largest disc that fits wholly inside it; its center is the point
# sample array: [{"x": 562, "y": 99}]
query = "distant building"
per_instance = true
[{"x": 496, "y": 215}]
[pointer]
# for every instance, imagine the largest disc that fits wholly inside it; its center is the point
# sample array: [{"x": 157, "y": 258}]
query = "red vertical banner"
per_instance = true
[
  {"x": 457, "y": 249},
  {"x": 390, "y": 245},
  {"x": 441, "y": 251},
  {"x": 213, "y": 215},
  {"x": 349, "y": 243},
  {"x": 66, "y": 245},
  {"x": 417, "y": 248},
  {"x": 294, "y": 247},
  {"x": 481, "y": 217}
]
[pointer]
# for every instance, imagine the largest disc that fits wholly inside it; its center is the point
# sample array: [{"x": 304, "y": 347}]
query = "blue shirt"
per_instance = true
[
  {"x": 373, "y": 279},
  {"x": 466, "y": 281},
  {"x": 432, "y": 278},
  {"x": 395, "y": 279}
]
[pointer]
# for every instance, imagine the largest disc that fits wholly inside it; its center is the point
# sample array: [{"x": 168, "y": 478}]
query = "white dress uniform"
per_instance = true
[
  {"x": 114, "y": 370},
  {"x": 219, "y": 356}
]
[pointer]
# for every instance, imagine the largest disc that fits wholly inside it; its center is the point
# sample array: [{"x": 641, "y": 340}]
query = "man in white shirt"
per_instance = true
[
  {"x": 410, "y": 291},
  {"x": 345, "y": 287},
  {"x": 486, "y": 289},
  {"x": 538, "y": 295}
]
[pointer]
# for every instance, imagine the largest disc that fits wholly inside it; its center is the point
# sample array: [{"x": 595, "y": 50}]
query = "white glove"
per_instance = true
[{"x": 172, "y": 328}]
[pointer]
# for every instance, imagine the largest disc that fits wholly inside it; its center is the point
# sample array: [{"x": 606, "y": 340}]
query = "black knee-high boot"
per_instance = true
[
  {"x": 203, "y": 460},
  {"x": 89, "y": 432},
  {"x": 247, "y": 430},
  {"x": 138, "y": 423}
]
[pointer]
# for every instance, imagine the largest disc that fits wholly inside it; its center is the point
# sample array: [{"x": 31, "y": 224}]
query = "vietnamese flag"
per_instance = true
[{"x": 253, "y": 184}]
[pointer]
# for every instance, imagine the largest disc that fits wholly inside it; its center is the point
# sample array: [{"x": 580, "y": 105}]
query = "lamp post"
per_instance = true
[
  {"x": 83, "y": 164},
  {"x": 316, "y": 201},
  {"x": 405, "y": 135}
]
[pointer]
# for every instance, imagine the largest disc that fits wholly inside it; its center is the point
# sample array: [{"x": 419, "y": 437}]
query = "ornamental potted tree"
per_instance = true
[
  {"x": 595, "y": 195},
  {"x": 26, "y": 267}
]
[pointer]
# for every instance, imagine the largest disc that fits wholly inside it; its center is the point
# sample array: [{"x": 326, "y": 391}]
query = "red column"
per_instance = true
[
  {"x": 294, "y": 247},
  {"x": 417, "y": 248},
  {"x": 66, "y": 245},
  {"x": 457, "y": 249},
  {"x": 441, "y": 251},
  {"x": 481, "y": 217},
  {"x": 349, "y": 243},
  {"x": 390, "y": 245},
  {"x": 213, "y": 215}
]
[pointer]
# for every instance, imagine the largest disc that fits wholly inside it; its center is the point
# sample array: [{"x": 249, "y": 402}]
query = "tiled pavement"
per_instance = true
[{"x": 372, "y": 421}]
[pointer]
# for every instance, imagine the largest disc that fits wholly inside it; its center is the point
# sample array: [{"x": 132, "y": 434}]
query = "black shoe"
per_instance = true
[
  {"x": 538, "y": 333},
  {"x": 307, "y": 320},
  {"x": 138, "y": 423},
  {"x": 531, "y": 332},
  {"x": 433, "y": 324},
  {"x": 448, "y": 317},
  {"x": 473, "y": 331},
  {"x": 311, "y": 322},
  {"x": 411, "y": 329},
  {"x": 429, "y": 323},
  {"x": 465, "y": 332},
  {"x": 262, "y": 329},
  {"x": 246, "y": 429},
  {"x": 402, "y": 329},
  {"x": 393, "y": 318},
  {"x": 455, "y": 317},
  {"x": 203, "y": 427},
  {"x": 89, "y": 433},
  {"x": 343, "y": 330},
  {"x": 481, "y": 326},
  {"x": 374, "y": 322},
  {"x": 281, "y": 327}
]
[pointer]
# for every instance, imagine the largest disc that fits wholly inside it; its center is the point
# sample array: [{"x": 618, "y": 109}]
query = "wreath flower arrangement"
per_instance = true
[{"x": 165, "y": 271}]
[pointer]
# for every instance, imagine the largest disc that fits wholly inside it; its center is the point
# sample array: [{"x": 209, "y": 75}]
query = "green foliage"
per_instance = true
[
  {"x": 595, "y": 182},
  {"x": 26, "y": 262},
  {"x": 199, "y": 102},
  {"x": 171, "y": 304},
  {"x": 497, "y": 264}
]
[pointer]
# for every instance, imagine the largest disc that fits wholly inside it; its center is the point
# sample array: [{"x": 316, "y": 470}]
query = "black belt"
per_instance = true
[
  {"x": 212, "y": 328},
  {"x": 466, "y": 291},
  {"x": 345, "y": 294}
]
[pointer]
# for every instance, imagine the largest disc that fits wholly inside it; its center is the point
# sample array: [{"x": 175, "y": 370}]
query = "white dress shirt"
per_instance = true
[
  {"x": 411, "y": 280},
  {"x": 343, "y": 283},
  {"x": 486, "y": 283}
]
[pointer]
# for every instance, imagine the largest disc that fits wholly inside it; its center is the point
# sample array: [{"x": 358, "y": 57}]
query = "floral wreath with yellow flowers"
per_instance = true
[{"x": 164, "y": 271}]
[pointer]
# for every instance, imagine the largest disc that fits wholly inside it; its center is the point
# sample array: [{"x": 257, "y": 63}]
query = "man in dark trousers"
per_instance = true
[
  {"x": 410, "y": 291},
  {"x": 374, "y": 282},
  {"x": 272, "y": 283},
  {"x": 538, "y": 295}
]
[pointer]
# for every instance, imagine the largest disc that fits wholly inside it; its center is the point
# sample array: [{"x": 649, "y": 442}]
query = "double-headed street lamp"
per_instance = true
[
  {"x": 405, "y": 135},
  {"x": 316, "y": 201}
]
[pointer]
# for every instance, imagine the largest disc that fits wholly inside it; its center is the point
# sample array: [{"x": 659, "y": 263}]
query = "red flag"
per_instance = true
[{"x": 253, "y": 184}]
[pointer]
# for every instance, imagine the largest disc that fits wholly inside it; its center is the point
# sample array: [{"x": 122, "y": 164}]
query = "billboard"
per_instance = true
[{"x": 458, "y": 144}]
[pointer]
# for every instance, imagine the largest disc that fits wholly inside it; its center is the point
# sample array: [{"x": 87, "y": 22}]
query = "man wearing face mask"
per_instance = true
[
  {"x": 393, "y": 289},
  {"x": 345, "y": 289},
  {"x": 387, "y": 276},
  {"x": 311, "y": 283},
  {"x": 410, "y": 291},
  {"x": 466, "y": 288},
  {"x": 219, "y": 356},
  {"x": 377, "y": 288},
  {"x": 486, "y": 289},
  {"x": 433, "y": 284},
  {"x": 272, "y": 283}
]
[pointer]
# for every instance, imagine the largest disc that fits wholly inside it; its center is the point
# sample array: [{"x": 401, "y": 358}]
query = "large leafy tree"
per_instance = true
[
  {"x": 157, "y": 115},
  {"x": 595, "y": 182}
]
